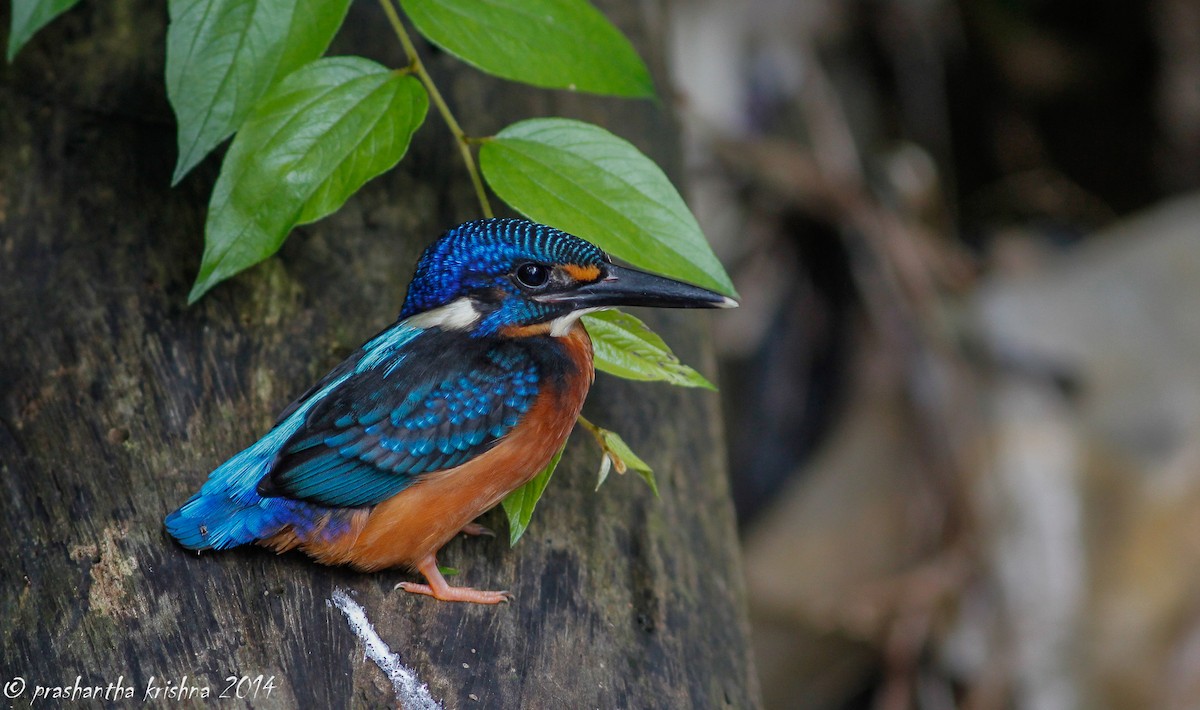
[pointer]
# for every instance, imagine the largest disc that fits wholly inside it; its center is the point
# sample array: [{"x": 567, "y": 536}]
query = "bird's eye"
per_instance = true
[{"x": 533, "y": 275}]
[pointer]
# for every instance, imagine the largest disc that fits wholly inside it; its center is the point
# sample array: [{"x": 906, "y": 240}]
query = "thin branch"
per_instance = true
[
  {"x": 460, "y": 138},
  {"x": 596, "y": 432}
]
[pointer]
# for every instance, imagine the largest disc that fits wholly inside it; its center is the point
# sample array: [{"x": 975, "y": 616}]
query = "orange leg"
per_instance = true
[
  {"x": 439, "y": 589},
  {"x": 475, "y": 530}
]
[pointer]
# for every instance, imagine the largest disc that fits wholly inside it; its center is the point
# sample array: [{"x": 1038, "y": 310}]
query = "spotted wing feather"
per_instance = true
[{"x": 431, "y": 409}]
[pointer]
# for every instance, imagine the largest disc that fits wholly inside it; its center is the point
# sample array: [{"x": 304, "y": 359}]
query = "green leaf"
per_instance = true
[
  {"x": 584, "y": 180},
  {"x": 29, "y": 16},
  {"x": 223, "y": 56},
  {"x": 618, "y": 455},
  {"x": 631, "y": 460},
  {"x": 310, "y": 143},
  {"x": 448, "y": 571},
  {"x": 560, "y": 44},
  {"x": 625, "y": 347},
  {"x": 519, "y": 504}
]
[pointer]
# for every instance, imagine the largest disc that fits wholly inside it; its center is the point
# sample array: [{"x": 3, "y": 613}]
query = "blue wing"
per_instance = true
[{"x": 435, "y": 403}]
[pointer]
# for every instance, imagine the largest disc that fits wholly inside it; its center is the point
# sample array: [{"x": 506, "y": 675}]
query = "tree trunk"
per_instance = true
[{"x": 116, "y": 400}]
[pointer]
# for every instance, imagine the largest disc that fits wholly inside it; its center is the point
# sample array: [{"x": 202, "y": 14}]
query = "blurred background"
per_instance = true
[{"x": 963, "y": 391}]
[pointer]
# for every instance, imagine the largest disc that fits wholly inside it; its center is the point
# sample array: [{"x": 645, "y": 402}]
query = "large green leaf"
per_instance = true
[
  {"x": 584, "y": 180},
  {"x": 519, "y": 504},
  {"x": 625, "y": 347},
  {"x": 305, "y": 148},
  {"x": 29, "y": 16},
  {"x": 223, "y": 55},
  {"x": 561, "y": 44}
]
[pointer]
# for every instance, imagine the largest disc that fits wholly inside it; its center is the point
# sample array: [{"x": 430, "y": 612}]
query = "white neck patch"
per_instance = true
[
  {"x": 459, "y": 314},
  {"x": 561, "y": 325}
]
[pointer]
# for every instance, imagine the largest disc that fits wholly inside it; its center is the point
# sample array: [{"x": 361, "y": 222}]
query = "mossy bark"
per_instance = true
[{"x": 116, "y": 400}]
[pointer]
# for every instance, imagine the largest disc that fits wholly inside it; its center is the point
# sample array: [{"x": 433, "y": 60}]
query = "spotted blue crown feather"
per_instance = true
[{"x": 479, "y": 255}]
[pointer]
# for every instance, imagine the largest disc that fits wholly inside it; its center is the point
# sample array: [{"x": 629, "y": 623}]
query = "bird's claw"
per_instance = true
[
  {"x": 457, "y": 594},
  {"x": 475, "y": 530}
]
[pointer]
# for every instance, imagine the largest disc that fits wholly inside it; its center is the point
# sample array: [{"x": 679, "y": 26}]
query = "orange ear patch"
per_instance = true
[
  {"x": 582, "y": 273},
  {"x": 524, "y": 331}
]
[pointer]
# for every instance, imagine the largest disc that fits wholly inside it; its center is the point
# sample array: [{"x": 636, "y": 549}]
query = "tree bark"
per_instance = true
[{"x": 116, "y": 400}]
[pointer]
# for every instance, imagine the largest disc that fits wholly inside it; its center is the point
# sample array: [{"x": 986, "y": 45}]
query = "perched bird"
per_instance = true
[{"x": 436, "y": 419}]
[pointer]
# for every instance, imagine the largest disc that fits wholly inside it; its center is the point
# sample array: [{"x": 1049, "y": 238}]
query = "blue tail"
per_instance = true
[{"x": 228, "y": 511}]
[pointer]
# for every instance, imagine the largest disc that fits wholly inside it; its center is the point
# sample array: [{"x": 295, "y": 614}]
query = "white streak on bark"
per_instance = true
[{"x": 411, "y": 693}]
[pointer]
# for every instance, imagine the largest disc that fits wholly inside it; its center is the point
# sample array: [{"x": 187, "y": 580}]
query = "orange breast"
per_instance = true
[{"x": 418, "y": 521}]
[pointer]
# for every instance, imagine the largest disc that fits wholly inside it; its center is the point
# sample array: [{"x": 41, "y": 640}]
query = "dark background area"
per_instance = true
[{"x": 961, "y": 395}]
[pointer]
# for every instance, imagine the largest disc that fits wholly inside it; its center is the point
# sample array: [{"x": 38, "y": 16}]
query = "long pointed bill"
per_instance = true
[{"x": 630, "y": 287}]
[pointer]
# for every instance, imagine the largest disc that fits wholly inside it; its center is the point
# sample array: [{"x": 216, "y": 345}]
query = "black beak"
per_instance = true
[{"x": 623, "y": 286}]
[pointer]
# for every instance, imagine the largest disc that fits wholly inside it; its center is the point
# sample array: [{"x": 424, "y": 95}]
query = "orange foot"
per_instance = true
[
  {"x": 475, "y": 530},
  {"x": 439, "y": 589}
]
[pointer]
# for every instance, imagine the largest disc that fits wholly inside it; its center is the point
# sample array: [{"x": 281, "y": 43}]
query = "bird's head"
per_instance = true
[{"x": 515, "y": 277}]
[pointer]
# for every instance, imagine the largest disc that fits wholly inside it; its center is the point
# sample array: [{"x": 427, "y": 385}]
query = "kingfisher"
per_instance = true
[{"x": 465, "y": 398}]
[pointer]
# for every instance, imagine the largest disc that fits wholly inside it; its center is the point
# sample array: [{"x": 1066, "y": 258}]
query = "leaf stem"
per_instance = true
[
  {"x": 597, "y": 434},
  {"x": 592, "y": 428},
  {"x": 418, "y": 68}
]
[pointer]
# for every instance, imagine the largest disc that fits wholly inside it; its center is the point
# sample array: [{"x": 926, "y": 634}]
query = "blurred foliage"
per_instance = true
[{"x": 922, "y": 492}]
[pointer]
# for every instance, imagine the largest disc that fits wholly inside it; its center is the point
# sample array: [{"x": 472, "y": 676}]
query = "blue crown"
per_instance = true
[{"x": 480, "y": 254}]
